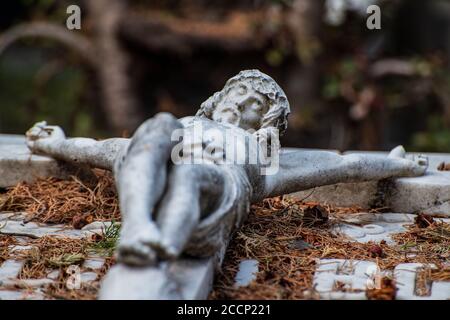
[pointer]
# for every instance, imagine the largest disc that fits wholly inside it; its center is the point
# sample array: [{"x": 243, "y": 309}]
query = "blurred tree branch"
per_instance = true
[
  {"x": 74, "y": 41},
  {"x": 103, "y": 53}
]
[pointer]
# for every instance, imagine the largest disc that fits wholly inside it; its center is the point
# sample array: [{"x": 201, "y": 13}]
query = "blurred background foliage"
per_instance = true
[{"x": 349, "y": 87}]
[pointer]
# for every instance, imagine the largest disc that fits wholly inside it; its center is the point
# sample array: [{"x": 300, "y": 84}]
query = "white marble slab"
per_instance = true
[
  {"x": 358, "y": 275},
  {"x": 17, "y": 164},
  {"x": 429, "y": 193},
  {"x": 376, "y": 227},
  {"x": 186, "y": 279}
]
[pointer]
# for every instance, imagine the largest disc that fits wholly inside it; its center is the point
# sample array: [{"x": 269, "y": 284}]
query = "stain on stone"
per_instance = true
[{"x": 385, "y": 189}]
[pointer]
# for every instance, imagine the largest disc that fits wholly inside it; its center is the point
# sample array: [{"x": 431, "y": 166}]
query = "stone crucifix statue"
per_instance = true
[{"x": 170, "y": 207}]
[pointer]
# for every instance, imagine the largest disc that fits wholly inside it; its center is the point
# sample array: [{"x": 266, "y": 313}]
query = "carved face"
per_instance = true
[{"x": 242, "y": 106}]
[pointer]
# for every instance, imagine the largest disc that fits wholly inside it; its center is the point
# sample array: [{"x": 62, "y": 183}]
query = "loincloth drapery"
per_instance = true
[{"x": 213, "y": 233}]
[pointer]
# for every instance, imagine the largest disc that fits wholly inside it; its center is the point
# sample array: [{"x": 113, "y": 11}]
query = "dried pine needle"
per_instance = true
[
  {"x": 54, "y": 200},
  {"x": 272, "y": 233}
]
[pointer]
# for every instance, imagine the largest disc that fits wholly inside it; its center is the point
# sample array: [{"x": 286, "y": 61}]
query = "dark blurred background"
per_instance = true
[{"x": 349, "y": 87}]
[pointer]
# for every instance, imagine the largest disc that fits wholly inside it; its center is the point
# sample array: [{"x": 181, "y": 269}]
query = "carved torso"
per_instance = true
[
  {"x": 219, "y": 143},
  {"x": 214, "y": 145}
]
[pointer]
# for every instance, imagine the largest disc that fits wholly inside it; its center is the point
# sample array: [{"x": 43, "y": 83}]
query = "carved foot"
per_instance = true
[
  {"x": 136, "y": 245},
  {"x": 168, "y": 251}
]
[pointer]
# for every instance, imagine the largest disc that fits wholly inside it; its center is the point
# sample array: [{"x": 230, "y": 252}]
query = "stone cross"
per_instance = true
[{"x": 185, "y": 185}]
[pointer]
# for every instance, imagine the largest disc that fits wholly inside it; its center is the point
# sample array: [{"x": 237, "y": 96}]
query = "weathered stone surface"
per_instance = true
[
  {"x": 13, "y": 224},
  {"x": 88, "y": 276},
  {"x": 354, "y": 274},
  {"x": 10, "y": 270},
  {"x": 30, "y": 283},
  {"x": 18, "y": 164},
  {"x": 188, "y": 279},
  {"x": 94, "y": 263},
  {"x": 247, "y": 272},
  {"x": 35, "y": 230},
  {"x": 96, "y": 227},
  {"x": 406, "y": 274},
  {"x": 358, "y": 276},
  {"x": 428, "y": 193},
  {"x": 20, "y": 248},
  {"x": 11, "y": 295},
  {"x": 15, "y": 216},
  {"x": 182, "y": 279},
  {"x": 20, "y": 295},
  {"x": 341, "y": 194},
  {"x": 53, "y": 275},
  {"x": 375, "y": 227}
]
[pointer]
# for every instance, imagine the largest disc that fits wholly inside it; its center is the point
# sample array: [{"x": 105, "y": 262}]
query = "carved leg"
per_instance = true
[
  {"x": 193, "y": 192},
  {"x": 141, "y": 179}
]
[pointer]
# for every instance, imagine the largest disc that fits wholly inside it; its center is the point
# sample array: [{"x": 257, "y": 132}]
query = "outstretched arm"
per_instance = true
[
  {"x": 302, "y": 170},
  {"x": 51, "y": 141}
]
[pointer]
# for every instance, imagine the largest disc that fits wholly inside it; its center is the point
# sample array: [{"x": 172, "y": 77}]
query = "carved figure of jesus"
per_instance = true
[{"x": 169, "y": 208}]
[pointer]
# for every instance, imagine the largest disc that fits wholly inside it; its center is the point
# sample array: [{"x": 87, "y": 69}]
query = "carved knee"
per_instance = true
[
  {"x": 156, "y": 131},
  {"x": 152, "y": 137},
  {"x": 162, "y": 122}
]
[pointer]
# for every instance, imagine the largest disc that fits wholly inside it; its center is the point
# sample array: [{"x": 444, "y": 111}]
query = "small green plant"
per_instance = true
[
  {"x": 65, "y": 260},
  {"x": 108, "y": 242}
]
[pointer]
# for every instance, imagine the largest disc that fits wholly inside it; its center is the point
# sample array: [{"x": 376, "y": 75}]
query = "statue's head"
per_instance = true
[{"x": 250, "y": 100}]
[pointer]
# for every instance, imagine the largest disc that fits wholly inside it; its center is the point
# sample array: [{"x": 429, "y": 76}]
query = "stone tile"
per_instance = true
[
  {"x": 20, "y": 295},
  {"x": 405, "y": 276},
  {"x": 357, "y": 276},
  {"x": 16, "y": 216},
  {"x": 354, "y": 274},
  {"x": 10, "y": 270},
  {"x": 31, "y": 283},
  {"x": 376, "y": 227},
  {"x": 88, "y": 276},
  {"x": 247, "y": 272},
  {"x": 23, "y": 241},
  {"x": 94, "y": 263},
  {"x": 96, "y": 227},
  {"x": 35, "y": 230},
  {"x": 53, "y": 275},
  {"x": 11, "y": 295},
  {"x": 20, "y": 248},
  {"x": 12, "y": 224}
]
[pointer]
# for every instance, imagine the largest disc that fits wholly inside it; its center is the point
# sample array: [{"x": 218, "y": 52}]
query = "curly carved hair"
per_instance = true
[{"x": 260, "y": 82}]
